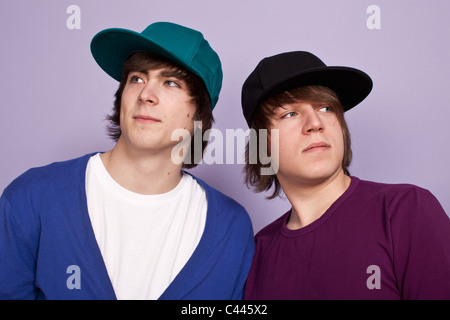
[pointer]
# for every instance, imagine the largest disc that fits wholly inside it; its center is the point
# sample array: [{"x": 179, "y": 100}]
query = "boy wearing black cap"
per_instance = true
[
  {"x": 130, "y": 223},
  {"x": 344, "y": 238}
]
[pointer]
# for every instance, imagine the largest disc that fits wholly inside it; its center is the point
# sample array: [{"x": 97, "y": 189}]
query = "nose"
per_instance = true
[
  {"x": 149, "y": 93},
  {"x": 313, "y": 123}
]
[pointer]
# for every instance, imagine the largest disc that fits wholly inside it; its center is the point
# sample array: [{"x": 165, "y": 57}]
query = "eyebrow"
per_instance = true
[
  {"x": 168, "y": 73},
  {"x": 165, "y": 73}
]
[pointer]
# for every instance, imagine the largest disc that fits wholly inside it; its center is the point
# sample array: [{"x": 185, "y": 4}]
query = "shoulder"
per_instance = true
[
  {"x": 35, "y": 194},
  {"x": 391, "y": 191},
  {"x": 397, "y": 197},
  {"x": 226, "y": 207},
  {"x": 42, "y": 179},
  {"x": 272, "y": 229}
]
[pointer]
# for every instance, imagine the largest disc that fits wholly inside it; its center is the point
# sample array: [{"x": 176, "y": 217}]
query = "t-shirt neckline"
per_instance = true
[{"x": 285, "y": 231}]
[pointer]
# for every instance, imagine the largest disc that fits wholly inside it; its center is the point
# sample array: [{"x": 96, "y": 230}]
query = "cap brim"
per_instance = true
[
  {"x": 351, "y": 85},
  {"x": 111, "y": 47}
]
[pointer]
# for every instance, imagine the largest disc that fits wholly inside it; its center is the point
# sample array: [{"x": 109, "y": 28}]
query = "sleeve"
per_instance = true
[
  {"x": 421, "y": 245},
  {"x": 17, "y": 254}
]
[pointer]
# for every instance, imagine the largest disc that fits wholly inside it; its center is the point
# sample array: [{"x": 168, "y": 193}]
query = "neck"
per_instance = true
[
  {"x": 309, "y": 202},
  {"x": 141, "y": 172}
]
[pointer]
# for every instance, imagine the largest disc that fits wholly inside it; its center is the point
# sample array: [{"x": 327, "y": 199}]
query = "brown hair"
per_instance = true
[
  {"x": 143, "y": 61},
  {"x": 261, "y": 120}
]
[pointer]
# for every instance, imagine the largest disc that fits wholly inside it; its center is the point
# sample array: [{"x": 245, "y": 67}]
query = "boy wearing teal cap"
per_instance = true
[{"x": 130, "y": 223}]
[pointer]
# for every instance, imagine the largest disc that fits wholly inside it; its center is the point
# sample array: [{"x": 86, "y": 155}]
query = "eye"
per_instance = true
[
  {"x": 136, "y": 79},
  {"x": 326, "y": 109},
  {"x": 172, "y": 83},
  {"x": 289, "y": 114}
]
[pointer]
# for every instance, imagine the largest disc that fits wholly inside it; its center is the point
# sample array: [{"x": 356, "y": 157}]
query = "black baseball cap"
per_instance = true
[{"x": 290, "y": 70}]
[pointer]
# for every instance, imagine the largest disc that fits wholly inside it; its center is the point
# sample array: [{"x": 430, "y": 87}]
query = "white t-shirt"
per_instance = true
[{"x": 145, "y": 240}]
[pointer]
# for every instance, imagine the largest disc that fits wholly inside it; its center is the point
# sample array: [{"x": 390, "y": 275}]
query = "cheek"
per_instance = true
[
  {"x": 188, "y": 117},
  {"x": 126, "y": 100},
  {"x": 286, "y": 139},
  {"x": 283, "y": 146},
  {"x": 341, "y": 147},
  {"x": 123, "y": 110},
  {"x": 338, "y": 133},
  {"x": 291, "y": 138},
  {"x": 126, "y": 109},
  {"x": 182, "y": 120}
]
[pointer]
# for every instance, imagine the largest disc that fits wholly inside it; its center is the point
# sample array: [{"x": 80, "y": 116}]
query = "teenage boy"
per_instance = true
[
  {"x": 343, "y": 238},
  {"x": 130, "y": 223}
]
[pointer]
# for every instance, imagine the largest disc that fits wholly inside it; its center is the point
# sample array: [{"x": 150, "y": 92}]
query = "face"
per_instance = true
[
  {"x": 154, "y": 104},
  {"x": 310, "y": 144}
]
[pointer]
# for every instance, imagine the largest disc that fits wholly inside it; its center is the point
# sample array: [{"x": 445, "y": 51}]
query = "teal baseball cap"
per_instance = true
[{"x": 181, "y": 45}]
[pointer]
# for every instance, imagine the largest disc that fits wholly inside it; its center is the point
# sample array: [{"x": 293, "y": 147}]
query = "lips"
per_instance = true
[
  {"x": 146, "y": 119},
  {"x": 317, "y": 146}
]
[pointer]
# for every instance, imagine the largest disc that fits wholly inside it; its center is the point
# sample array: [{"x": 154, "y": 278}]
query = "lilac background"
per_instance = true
[{"x": 55, "y": 98}]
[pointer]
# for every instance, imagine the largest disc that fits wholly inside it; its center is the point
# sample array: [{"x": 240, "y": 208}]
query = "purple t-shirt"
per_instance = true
[{"x": 377, "y": 241}]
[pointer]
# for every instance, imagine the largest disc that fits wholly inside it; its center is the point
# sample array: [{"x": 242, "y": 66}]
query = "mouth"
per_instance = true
[
  {"x": 146, "y": 119},
  {"x": 318, "y": 146}
]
